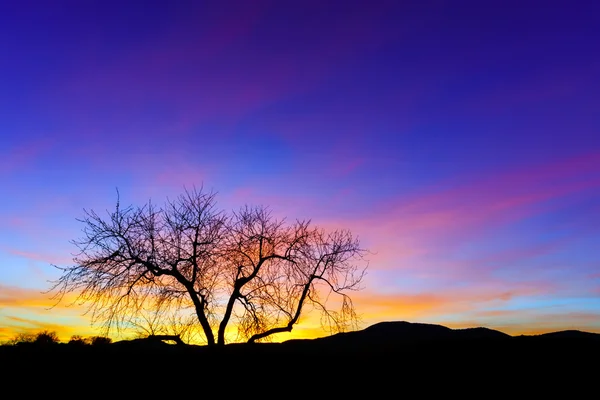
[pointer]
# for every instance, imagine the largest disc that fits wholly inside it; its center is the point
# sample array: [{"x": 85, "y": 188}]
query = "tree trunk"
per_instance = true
[{"x": 175, "y": 338}]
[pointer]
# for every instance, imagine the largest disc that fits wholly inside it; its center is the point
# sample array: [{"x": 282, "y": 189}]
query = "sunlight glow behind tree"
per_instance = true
[{"x": 188, "y": 266}]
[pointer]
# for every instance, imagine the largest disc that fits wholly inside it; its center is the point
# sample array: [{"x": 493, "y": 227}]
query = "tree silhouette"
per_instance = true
[
  {"x": 22, "y": 338},
  {"x": 246, "y": 268},
  {"x": 46, "y": 338},
  {"x": 43, "y": 338}
]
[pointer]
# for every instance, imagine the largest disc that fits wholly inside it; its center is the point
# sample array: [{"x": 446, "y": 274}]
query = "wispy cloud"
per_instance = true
[
  {"x": 17, "y": 297},
  {"x": 458, "y": 211},
  {"x": 30, "y": 311},
  {"x": 23, "y": 155},
  {"x": 37, "y": 323},
  {"x": 45, "y": 256},
  {"x": 376, "y": 305}
]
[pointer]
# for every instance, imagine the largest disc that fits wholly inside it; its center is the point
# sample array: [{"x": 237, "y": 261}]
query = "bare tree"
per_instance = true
[{"x": 245, "y": 269}]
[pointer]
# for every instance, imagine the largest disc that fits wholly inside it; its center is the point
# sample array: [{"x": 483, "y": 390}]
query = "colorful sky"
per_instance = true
[{"x": 460, "y": 140}]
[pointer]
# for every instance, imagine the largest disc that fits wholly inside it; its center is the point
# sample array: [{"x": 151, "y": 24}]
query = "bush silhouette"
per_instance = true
[
  {"x": 78, "y": 340},
  {"x": 100, "y": 340}
]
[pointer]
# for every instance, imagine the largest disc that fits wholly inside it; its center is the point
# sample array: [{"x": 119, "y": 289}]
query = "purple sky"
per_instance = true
[{"x": 460, "y": 140}]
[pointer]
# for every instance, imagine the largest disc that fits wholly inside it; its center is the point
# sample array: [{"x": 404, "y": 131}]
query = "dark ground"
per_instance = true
[{"x": 389, "y": 359}]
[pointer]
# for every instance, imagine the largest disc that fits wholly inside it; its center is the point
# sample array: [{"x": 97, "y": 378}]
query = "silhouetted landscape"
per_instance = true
[
  {"x": 411, "y": 341},
  {"x": 388, "y": 358},
  {"x": 208, "y": 178}
]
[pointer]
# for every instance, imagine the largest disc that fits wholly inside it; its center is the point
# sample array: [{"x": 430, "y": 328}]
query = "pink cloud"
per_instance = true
[
  {"x": 46, "y": 257},
  {"x": 466, "y": 210}
]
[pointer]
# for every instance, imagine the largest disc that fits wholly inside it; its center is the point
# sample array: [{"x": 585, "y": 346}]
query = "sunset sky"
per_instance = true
[{"x": 460, "y": 140}]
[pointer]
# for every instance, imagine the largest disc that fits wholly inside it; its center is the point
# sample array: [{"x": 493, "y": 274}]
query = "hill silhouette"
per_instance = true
[
  {"x": 570, "y": 334},
  {"x": 399, "y": 331}
]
